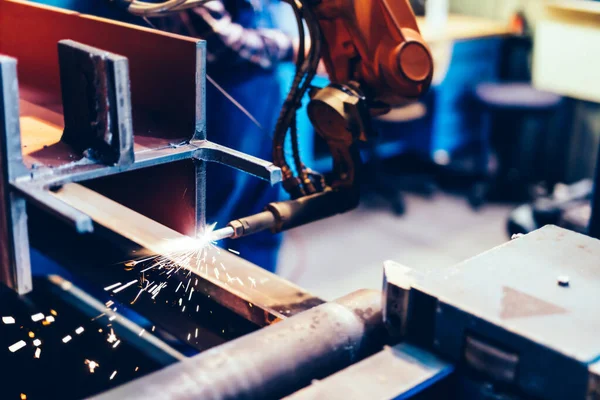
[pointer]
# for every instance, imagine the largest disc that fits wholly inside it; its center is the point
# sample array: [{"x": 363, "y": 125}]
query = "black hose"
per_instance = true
[
  {"x": 307, "y": 184},
  {"x": 304, "y": 76},
  {"x": 290, "y": 183},
  {"x": 314, "y": 58}
]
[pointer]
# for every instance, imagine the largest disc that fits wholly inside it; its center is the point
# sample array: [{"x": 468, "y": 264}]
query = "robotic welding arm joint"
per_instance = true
[{"x": 375, "y": 58}]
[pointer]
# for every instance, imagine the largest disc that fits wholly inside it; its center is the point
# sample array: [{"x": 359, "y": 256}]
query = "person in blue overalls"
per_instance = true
[{"x": 243, "y": 52}]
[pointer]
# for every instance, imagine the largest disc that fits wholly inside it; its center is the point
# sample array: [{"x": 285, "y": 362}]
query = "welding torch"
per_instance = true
[{"x": 283, "y": 215}]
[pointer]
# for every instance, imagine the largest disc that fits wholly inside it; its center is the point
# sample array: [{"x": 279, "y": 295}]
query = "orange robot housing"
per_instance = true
[{"x": 376, "y": 43}]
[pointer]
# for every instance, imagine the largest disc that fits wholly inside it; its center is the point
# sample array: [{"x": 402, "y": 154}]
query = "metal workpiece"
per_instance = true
[
  {"x": 261, "y": 298},
  {"x": 167, "y": 74},
  {"x": 503, "y": 315},
  {"x": 200, "y": 92},
  {"x": 274, "y": 361},
  {"x": 398, "y": 372},
  {"x": 169, "y": 153},
  {"x": 44, "y": 199},
  {"x": 14, "y": 242},
  {"x": 209, "y": 151},
  {"x": 396, "y": 292},
  {"x": 104, "y": 106},
  {"x": 12, "y": 160},
  {"x": 200, "y": 152},
  {"x": 408, "y": 313},
  {"x": 200, "y": 211},
  {"x": 96, "y": 102}
]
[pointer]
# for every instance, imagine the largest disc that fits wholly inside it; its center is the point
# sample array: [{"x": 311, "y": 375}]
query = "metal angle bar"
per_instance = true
[
  {"x": 15, "y": 267},
  {"x": 160, "y": 62},
  {"x": 203, "y": 150},
  {"x": 81, "y": 222},
  {"x": 9, "y": 119},
  {"x": 200, "y": 109},
  {"x": 213, "y": 152},
  {"x": 248, "y": 290},
  {"x": 200, "y": 167},
  {"x": 143, "y": 159},
  {"x": 20, "y": 259}
]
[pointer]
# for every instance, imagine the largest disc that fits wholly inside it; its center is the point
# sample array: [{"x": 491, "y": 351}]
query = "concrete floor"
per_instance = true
[{"x": 334, "y": 257}]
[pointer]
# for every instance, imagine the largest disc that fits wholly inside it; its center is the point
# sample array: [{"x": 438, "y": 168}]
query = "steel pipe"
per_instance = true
[{"x": 274, "y": 361}]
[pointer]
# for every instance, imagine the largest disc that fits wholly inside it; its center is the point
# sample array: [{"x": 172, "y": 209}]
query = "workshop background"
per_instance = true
[
  {"x": 464, "y": 170},
  {"x": 460, "y": 171},
  {"x": 505, "y": 142}
]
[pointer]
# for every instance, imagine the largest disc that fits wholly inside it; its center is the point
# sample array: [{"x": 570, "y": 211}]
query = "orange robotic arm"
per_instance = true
[
  {"x": 375, "y": 57},
  {"x": 377, "y": 44}
]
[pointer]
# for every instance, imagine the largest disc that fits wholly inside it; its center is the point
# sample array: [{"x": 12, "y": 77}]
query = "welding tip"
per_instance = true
[
  {"x": 246, "y": 226},
  {"x": 223, "y": 233}
]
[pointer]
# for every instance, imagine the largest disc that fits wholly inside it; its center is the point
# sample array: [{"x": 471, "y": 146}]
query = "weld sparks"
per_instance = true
[
  {"x": 17, "y": 346},
  {"x": 37, "y": 317},
  {"x": 111, "y": 336},
  {"x": 92, "y": 365},
  {"x": 187, "y": 258},
  {"x": 179, "y": 257}
]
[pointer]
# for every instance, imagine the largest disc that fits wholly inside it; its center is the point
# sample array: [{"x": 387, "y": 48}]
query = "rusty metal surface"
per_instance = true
[
  {"x": 510, "y": 299},
  {"x": 274, "y": 361},
  {"x": 398, "y": 372},
  {"x": 162, "y": 65},
  {"x": 269, "y": 299}
]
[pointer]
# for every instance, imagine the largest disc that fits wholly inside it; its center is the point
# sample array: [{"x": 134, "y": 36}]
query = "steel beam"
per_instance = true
[
  {"x": 266, "y": 300},
  {"x": 14, "y": 241}
]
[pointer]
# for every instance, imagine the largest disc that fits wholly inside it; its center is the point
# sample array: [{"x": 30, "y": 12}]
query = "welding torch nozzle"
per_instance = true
[{"x": 283, "y": 215}]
